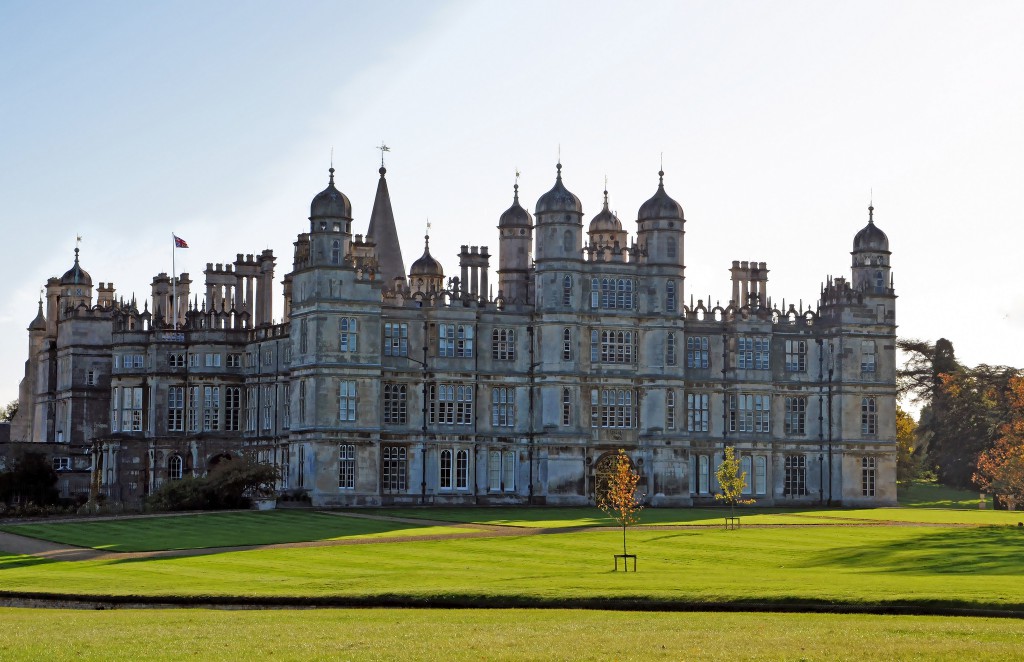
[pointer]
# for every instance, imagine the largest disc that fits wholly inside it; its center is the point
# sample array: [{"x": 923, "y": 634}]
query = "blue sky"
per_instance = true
[{"x": 125, "y": 121}]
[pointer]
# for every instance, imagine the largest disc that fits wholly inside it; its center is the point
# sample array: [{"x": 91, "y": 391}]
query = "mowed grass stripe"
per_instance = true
[
  {"x": 204, "y": 530},
  {"x": 977, "y": 567},
  {"x": 371, "y": 634}
]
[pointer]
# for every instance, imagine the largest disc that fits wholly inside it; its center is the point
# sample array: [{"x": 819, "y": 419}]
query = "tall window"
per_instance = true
[
  {"x": 302, "y": 401},
  {"x": 195, "y": 404},
  {"x": 612, "y": 408},
  {"x": 670, "y": 349},
  {"x": 796, "y": 355},
  {"x": 503, "y": 344},
  {"x": 566, "y": 406},
  {"x": 232, "y": 408},
  {"x": 697, "y": 355},
  {"x": 879, "y": 282},
  {"x": 867, "y": 357},
  {"x": 396, "y": 339},
  {"x": 503, "y": 406},
  {"x": 212, "y": 360},
  {"x": 760, "y": 474},
  {"x": 608, "y": 346},
  {"x": 796, "y": 415},
  {"x": 566, "y": 291},
  {"x": 611, "y": 293},
  {"x": 286, "y": 408},
  {"x": 745, "y": 471},
  {"x": 451, "y": 404},
  {"x": 303, "y": 336},
  {"x": 346, "y": 467},
  {"x": 347, "y": 334},
  {"x": 868, "y": 416},
  {"x": 393, "y": 470},
  {"x": 697, "y": 412},
  {"x": 250, "y": 409},
  {"x": 501, "y": 471},
  {"x": 211, "y": 408},
  {"x": 268, "y": 407},
  {"x": 670, "y": 410},
  {"x": 703, "y": 474},
  {"x": 670, "y": 247},
  {"x": 446, "y": 470},
  {"x": 346, "y": 400},
  {"x": 462, "y": 470},
  {"x": 749, "y": 412},
  {"x": 867, "y": 476},
  {"x": 455, "y": 340},
  {"x": 335, "y": 252},
  {"x": 454, "y": 474},
  {"x": 395, "y": 404},
  {"x": 131, "y": 408},
  {"x": 795, "y": 478},
  {"x": 753, "y": 352},
  {"x": 670, "y": 297},
  {"x": 566, "y": 344},
  {"x": 175, "y": 467},
  {"x": 176, "y": 409}
]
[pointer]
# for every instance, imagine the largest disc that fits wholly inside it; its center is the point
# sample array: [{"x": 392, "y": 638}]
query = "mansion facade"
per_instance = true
[{"x": 382, "y": 386}]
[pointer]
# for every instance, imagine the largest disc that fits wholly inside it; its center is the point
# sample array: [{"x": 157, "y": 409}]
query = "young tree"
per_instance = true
[
  {"x": 732, "y": 481},
  {"x": 619, "y": 500}
]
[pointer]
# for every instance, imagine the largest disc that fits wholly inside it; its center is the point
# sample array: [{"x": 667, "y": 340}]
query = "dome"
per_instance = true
[
  {"x": 515, "y": 216},
  {"x": 558, "y": 199},
  {"x": 870, "y": 238},
  {"x": 76, "y": 275},
  {"x": 39, "y": 323},
  {"x": 330, "y": 203},
  {"x": 426, "y": 265},
  {"x": 605, "y": 221},
  {"x": 660, "y": 206}
]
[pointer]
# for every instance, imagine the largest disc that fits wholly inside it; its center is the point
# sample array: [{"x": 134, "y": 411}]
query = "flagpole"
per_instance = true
[{"x": 174, "y": 282}]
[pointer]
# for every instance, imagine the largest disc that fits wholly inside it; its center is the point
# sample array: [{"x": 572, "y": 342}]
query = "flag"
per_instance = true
[{"x": 179, "y": 242}]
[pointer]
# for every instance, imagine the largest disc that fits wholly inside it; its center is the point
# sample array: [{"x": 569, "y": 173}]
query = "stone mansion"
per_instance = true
[{"x": 383, "y": 386}]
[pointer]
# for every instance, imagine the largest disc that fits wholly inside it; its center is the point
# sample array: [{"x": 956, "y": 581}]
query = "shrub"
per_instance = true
[{"x": 230, "y": 484}]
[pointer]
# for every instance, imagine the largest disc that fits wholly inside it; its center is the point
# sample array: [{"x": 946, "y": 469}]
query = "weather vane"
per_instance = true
[
  {"x": 428, "y": 227},
  {"x": 383, "y": 148}
]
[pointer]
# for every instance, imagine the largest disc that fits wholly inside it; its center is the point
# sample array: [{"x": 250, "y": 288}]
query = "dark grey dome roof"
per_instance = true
[
  {"x": 515, "y": 216},
  {"x": 39, "y": 323},
  {"x": 558, "y": 199},
  {"x": 871, "y": 238},
  {"x": 76, "y": 275},
  {"x": 605, "y": 221},
  {"x": 330, "y": 203},
  {"x": 426, "y": 265},
  {"x": 660, "y": 206}
]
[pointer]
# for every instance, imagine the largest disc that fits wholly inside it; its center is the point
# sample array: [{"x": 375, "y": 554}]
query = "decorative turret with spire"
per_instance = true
[{"x": 384, "y": 234}]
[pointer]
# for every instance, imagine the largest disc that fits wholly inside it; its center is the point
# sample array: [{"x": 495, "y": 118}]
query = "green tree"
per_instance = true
[
  {"x": 732, "y": 481},
  {"x": 30, "y": 480},
  {"x": 619, "y": 499},
  {"x": 10, "y": 411}
]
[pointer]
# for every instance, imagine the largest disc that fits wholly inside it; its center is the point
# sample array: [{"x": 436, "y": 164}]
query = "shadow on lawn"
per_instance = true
[
  {"x": 981, "y": 550},
  {"x": 11, "y": 561}
]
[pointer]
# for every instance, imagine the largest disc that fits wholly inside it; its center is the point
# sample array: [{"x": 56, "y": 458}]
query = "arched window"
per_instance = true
[
  {"x": 462, "y": 470},
  {"x": 566, "y": 406},
  {"x": 446, "y": 469},
  {"x": 566, "y": 344},
  {"x": 566, "y": 291},
  {"x": 670, "y": 296},
  {"x": 335, "y": 252},
  {"x": 670, "y": 349},
  {"x": 760, "y": 474},
  {"x": 879, "y": 282},
  {"x": 175, "y": 467}
]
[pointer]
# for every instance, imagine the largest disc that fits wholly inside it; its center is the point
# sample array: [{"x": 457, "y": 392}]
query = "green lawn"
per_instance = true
[
  {"x": 930, "y": 494},
  {"x": 370, "y": 634},
  {"x": 933, "y": 565},
  {"x": 217, "y": 530}
]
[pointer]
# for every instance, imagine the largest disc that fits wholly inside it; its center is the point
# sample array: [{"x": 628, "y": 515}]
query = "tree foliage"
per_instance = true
[
  {"x": 229, "y": 484},
  {"x": 731, "y": 480},
  {"x": 908, "y": 462},
  {"x": 31, "y": 479},
  {"x": 619, "y": 499},
  {"x": 1000, "y": 468},
  {"x": 9, "y": 411}
]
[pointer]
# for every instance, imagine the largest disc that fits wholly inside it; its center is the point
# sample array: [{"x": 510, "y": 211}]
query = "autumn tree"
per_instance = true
[
  {"x": 907, "y": 461},
  {"x": 619, "y": 499},
  {"x": 8, "y": 412},
  {"x": 1000, "y": 469},
  {"x": 732, "y": 481}
]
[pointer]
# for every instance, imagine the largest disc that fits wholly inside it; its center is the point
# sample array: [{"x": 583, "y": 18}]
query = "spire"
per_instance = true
[
  {"x": 331, "y": 171},
  {"x": 384, "y": 234},
  {"x": 871, "y": 212}
]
